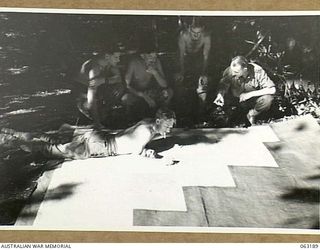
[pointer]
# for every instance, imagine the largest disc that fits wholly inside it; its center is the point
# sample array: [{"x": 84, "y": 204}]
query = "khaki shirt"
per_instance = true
[{"x": 256, "y": 79}]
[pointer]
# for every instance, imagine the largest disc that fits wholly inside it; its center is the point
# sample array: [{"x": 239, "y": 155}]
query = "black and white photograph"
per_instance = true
[{"x": 159, "y": 121}]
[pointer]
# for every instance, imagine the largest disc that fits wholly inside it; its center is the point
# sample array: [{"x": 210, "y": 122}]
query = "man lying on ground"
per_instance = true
[{"x": 97, "y": 143}]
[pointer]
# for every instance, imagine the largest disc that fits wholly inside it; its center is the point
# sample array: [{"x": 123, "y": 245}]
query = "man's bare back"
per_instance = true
[{"x": 96, "y": 143}]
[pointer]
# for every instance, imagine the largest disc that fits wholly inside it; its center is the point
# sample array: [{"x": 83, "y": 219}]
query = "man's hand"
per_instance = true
[
  {"x": 178, "y": 77},
  {"x": 149, "y": 153},
  {"x": 203, "y": 80},
  {"x": 245, "y": 96},
  {"x": 151, "y": 70},
  {"x": 165, "y": 93},
  {"x": 114, "y": 79},
  {"x": 202, "y": 84},
  {"x": 219, "y": 100}
]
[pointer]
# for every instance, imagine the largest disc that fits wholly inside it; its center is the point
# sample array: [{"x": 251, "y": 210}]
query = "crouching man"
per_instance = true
[
  {"x": 146, "y": 83},
  {"x": 98, "y": 143},
  {"x": 104, "y": 81},
  {"x": 247, "y": 86}
]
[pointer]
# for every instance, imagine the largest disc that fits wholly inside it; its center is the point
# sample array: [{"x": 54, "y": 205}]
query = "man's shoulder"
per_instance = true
[
  {"x": 262, "y": 75},
  {"x": 144, "y": 124},
  {"x": 146, "y": 121},
  {"x": 89, "y": 65},
  {"x": 184, "y": 34},
  {"x": 95, "y": 68},
  {"x": 135, "y": 60},
  {"x": 227, "y": 72},
  {"x": 206, "y": 35},
  {"x": 257, "y": 68}
]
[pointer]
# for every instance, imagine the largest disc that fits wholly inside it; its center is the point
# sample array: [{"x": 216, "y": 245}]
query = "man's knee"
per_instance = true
[
  {"x": 264, "y": 103},
  {"x": 128, "y": 99},
  {"x": 167, "y": 95}
]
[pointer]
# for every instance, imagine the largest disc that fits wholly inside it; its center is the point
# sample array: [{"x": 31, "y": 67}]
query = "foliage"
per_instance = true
[{"x": 289, "y": 61}]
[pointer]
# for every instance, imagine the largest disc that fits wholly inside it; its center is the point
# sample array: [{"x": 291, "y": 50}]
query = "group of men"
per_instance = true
[
  {"x": 146, "y": 87},
  {"x": 145, "y": 84}
]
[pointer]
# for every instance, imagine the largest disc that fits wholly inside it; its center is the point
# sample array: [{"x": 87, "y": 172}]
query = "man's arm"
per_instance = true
[
  {"x": 266, "y": 85},
  {"x": 94, "y": 83},
  {"x": 95, "y": 79},
  {"x": 265, "y": 91},
  {"x": 84, "y": 66},
  {"x": 158, "y": 74},
  {"x": 206, "y": 52},
  {"x": 223, "y": 87},
  {"x": 182, "y": 51},
  {"x": 128, "y": 80},
  {"x": 225, "y": 82}
]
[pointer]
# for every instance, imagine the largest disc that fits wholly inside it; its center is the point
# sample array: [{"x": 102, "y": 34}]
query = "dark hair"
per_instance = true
[
  {"x": 101, "y": 53},
  {"x": 241, "y": 60},
  {"x": 112, "y": 48},
  {"x": 147, "y": 48},
  {"x": 165, "y": 113},
  {"x": 197, "y": 22}
]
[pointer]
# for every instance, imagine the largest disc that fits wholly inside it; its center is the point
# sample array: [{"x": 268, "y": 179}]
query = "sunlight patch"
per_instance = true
[
  {"x": 55, "y": 92},
  {"x": 18, "y": 71},
  {"x": 19, "y": 99},
  {"x": 22, "y": 111}
]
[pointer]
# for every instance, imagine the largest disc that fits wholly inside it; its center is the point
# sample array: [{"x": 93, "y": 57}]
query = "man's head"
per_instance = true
[
  {"x": 165, "y": 120},
  {"x": 149, "y": 58},
  {"x": 239, "y": 67},
  {"x": 113, "y": 58},
  {"x": 196, "y": 28},
  {"x": 110, "y": 56},
  {"x": 148, "y": 52}
]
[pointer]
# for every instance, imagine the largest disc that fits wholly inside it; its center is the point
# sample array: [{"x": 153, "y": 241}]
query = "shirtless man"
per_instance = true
[
  {"x": 97, "y": 143},
  {"x": 194, "y": 48},
  {"x": 146, "y": 81},
  {"x": 100, "y": 70}
]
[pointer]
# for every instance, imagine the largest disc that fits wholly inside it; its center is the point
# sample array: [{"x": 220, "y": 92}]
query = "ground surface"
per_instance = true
[{"x": 261, "y": 177}]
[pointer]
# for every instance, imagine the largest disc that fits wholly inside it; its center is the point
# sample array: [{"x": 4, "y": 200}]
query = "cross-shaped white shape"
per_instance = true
[{"x": 100, "y": 194}]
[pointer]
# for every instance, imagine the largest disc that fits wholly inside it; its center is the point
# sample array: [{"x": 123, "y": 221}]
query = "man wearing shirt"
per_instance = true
[{"x": 248, "y": 86}]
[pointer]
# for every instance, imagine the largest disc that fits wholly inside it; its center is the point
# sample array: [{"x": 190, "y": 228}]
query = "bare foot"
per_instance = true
[{"x": 251, "y": 116}]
